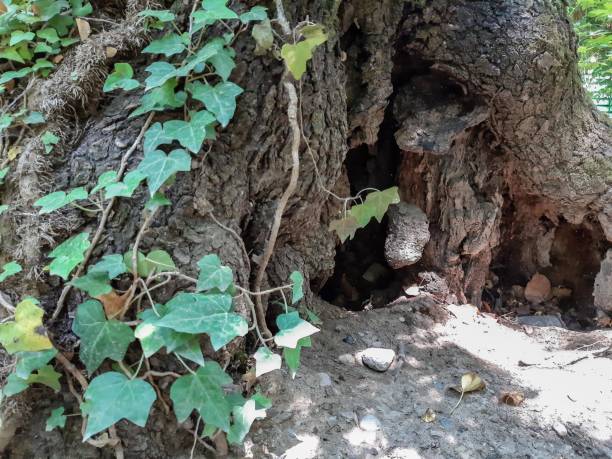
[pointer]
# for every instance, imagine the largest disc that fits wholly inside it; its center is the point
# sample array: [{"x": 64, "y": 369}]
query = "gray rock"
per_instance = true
[
  {"x": 378, "y": 358},
  {"x": 324, "y": 380},
  {"x": 369, "y": 423},
  {"x": 541, "y": 321},
  {"x": 407, "y": 235},
  {"x": 603, "y": 284},
  {"x": 347, "y": 359}
]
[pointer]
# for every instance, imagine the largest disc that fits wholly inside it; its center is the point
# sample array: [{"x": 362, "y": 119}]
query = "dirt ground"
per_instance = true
[{"x": 565, "y": 376}]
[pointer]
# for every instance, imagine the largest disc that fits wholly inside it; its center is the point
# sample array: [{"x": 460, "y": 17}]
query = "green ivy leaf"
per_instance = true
[
  {"x": 257, "y": 13},
  {"x": 43, "y": 47},
  {"x": 68, "y": 255},
  {"x": 3, "y": 208},
  {"x": 126, "y": 188},
  {"x": 121, "y": 78},
  {"x": 297, "y": 55},
  {"x": 160, "y": 99},
  {"x": 223, "y": 62},
  {"x": 59, "y": 199},
  {"x": 263, "y": 36},
  {"x": 5, "y": 122},
  {"x": 210, "y": 314},
  {"x": 292, "y": 356},
  {"x": 80, "y": 9},
  {"x": 212, "y": 10},
  {"x": 203, "y": 392},
  {"x": 27, "y": 362},
  {"x": 19, "y": 36},
  {"x": 142, "y": 267},
  {"x": 379, "y": 201},
  {"x": 154, "y": 137},
  {"x": 34, "y": 118},
  {"x": 3, "y": 173},
  {"x": 297, "y": 292},
  {"x": 14, "y": 74},
  {"x": 111, "y": 265},
  {"x": 49, "y": 140},
  {"x": 243, "y": 416},
  {"x": 160, "y": 15},
  {"x": 26, "y": 332},
  {"x": 111, "y": 397},
  {"x": 42, "y": 64},
  {"x": 10, "y": 269},
  {"x": 48, "y": 34},
  {"x": 266, "y": 361},
  {"x": 156, "y": 201},
  {"x": 169, "y": 45},
  {"x": 105, "y": 179},
  {"x": 191, "y": 134},
  {"x": 159, "y": 167},
  {"x": 203, "y": 55},
  {"x": 153, "y": 337},
  {"x": 100, "y": 338},
  {"x": 11, "y": 54},
  {"x": 345, "y": 228},
  {"x": 14, "y": 385},
  {"x": 219, "y": 99},
  {"x": 57, "y": 419},
  {"x": 160, "y": 72},
  {"x": 160, "y": 261},
  {"x": 291, "y": 328},
  {"x": 46, "y": 376},
  {"x": 94, "y": 283},
  {"x": 213, "y": 275}
]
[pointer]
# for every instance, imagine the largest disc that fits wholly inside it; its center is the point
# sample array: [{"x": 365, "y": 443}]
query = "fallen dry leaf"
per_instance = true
[
  {"x": 110, "y": 52},
  {"x": 113, "y": 303},
  {"x": 57, "y": 59},
  {"x": 84, "y": 28},
  {"x": 470, "y": 382},
  {"x": 513, "y": 398},
  {"x": 2, "y": 7},
  {"x": 538, "y": 289},
  {"x": 14, "y": 152},
  {"x": 428, "y": 416},
  {"x": 249, "y": 379}
]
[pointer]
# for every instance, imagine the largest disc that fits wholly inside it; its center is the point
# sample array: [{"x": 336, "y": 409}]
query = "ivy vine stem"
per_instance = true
[
  {"x": 282, "y": 203},
  {"x": 103, "y": 219}
]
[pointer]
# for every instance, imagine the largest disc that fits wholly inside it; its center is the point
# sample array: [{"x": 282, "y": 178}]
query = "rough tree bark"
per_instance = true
[{"x": 499, "y": 147}]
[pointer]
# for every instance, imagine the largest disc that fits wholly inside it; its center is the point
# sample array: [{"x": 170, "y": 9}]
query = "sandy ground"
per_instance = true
[{"x": 565, "y": 376}]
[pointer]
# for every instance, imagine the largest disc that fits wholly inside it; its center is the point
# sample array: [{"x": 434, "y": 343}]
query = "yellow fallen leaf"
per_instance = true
[
  {"x": 84, "y": 28},
  {"x": 429, "y": 416},
  {"x": 470, "y": 382},
  {"x": 110, "y": 52},
  {"x": 13, "y": 152},
  {"x": 26, "y": 332}
]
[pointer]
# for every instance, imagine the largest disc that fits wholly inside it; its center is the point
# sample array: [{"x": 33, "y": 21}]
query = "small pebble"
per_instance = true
[
  {"x": 348, "y": 339},
  {"x": 120, "y": 143},
  {"x": 369, "y": 423},
  {"x": 347, "y": 359},
  {"x": 377, "y": 358},
  {"x": 560, "y": 429},
  {"x": 324, "y": 380}
]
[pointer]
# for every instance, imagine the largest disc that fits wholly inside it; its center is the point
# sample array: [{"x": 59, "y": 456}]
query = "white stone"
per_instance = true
[
  {"x": 369, "y": 423},
  {"x": 324, "y": 380},
  {"x": 378, "y": 358}
]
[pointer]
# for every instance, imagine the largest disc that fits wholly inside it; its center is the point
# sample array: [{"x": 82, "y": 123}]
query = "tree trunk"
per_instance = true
[{"x": 473, "y": 108}]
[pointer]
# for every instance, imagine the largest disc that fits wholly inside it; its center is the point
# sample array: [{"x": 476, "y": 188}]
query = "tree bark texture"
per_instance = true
[{"x": 498, "y": 143}]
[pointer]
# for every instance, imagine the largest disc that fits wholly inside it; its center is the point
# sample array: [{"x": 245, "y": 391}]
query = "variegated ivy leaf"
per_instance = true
[
  {"x": 111, "y": 397},
  {"x": 292, "y": 356},
  {"x": 297, "y": 292},
  {"x": 243, "y": 417},
  {"x": 59, "y": 199},
  {"x": 266, "y": 361},
  {"x": 68, "y": 255},
  {"x": 159, "y": 167},
  {"x": 210, "y": 314},
  {"x": 291, "y": 328},
  {"x": 100, "y": 338}
]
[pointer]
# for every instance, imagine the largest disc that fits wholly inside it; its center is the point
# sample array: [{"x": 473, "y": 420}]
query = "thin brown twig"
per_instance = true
[
  {"x": 282, "y": 203},
  {"x": 103, "y": 219}
]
